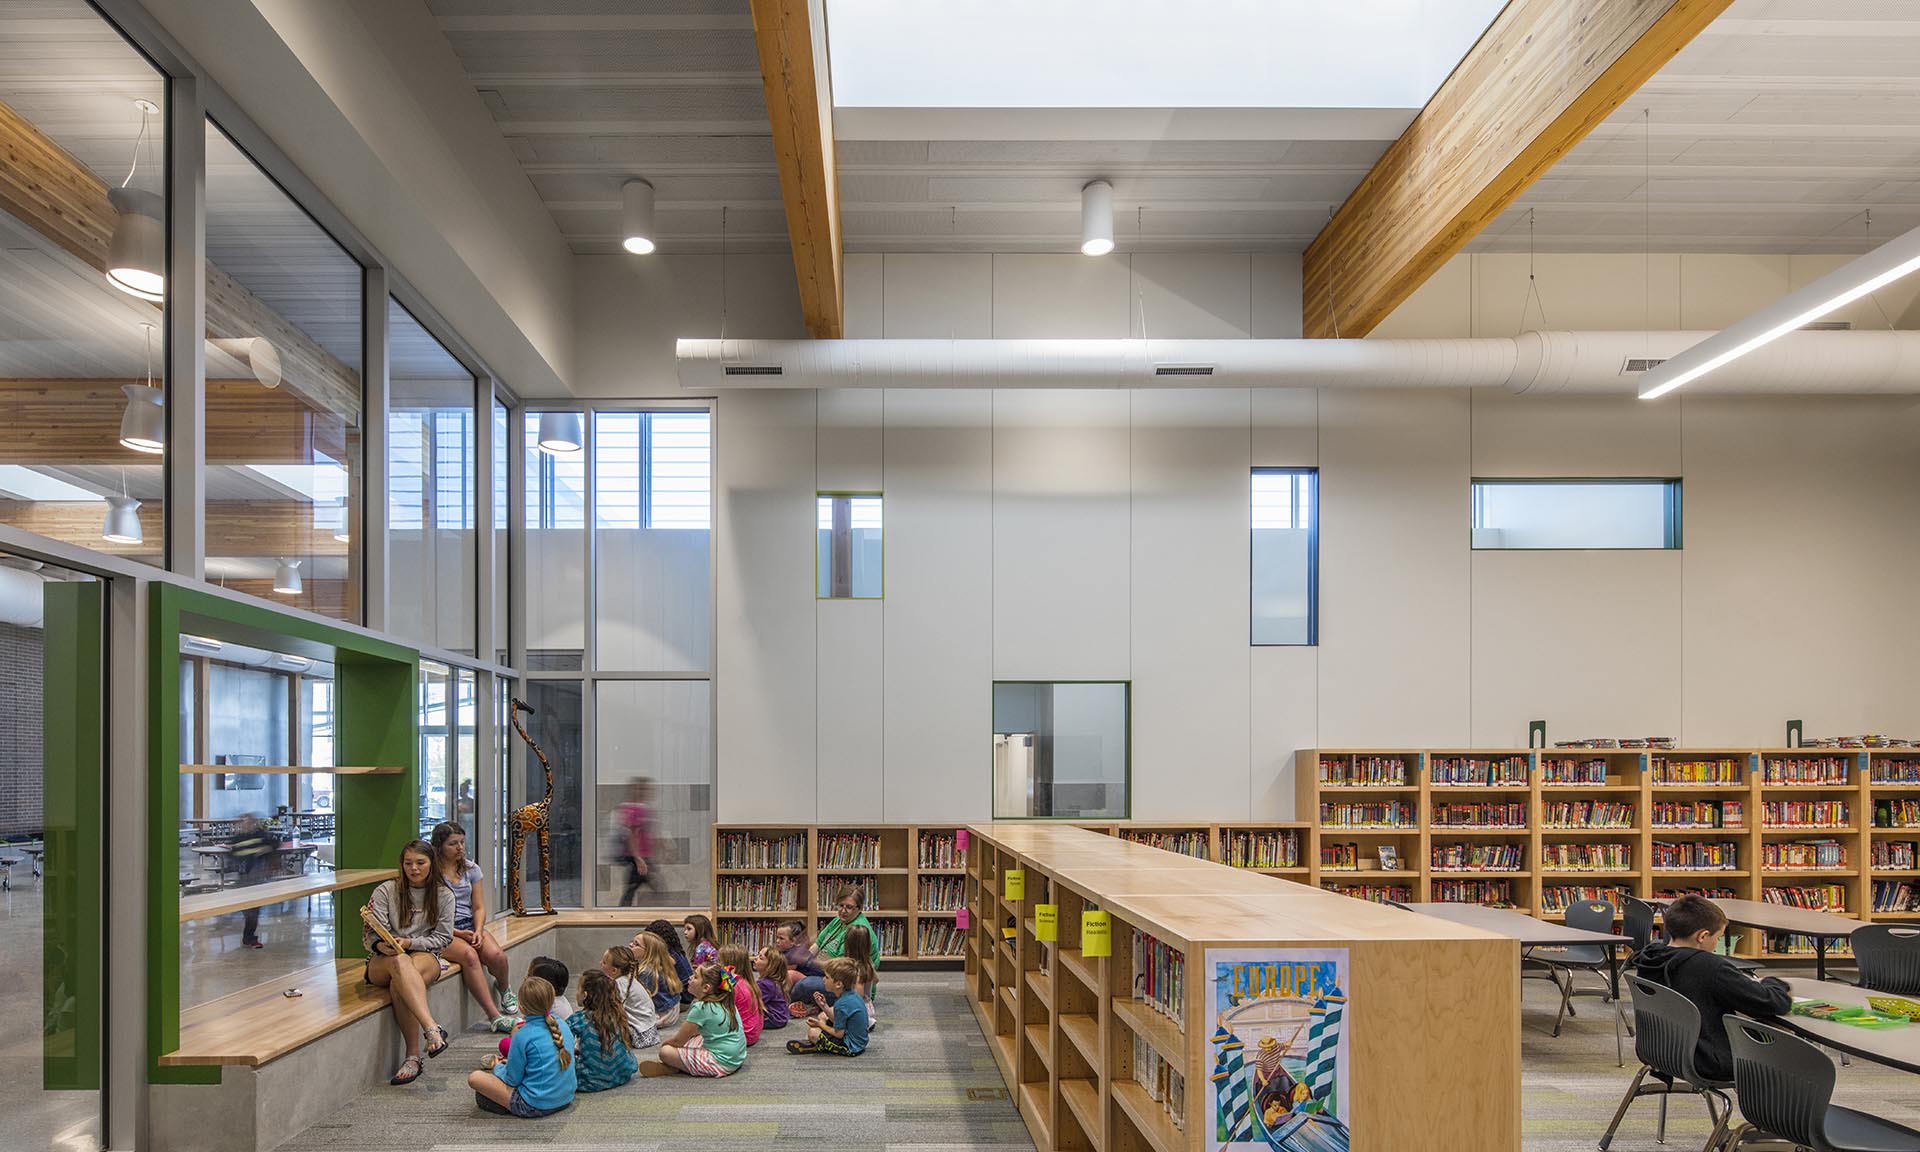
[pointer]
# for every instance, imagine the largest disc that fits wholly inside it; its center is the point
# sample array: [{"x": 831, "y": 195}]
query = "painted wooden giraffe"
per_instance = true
[{"x": 529, "y": 820}]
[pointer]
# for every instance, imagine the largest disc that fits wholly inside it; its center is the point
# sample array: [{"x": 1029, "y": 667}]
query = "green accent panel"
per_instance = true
[
  {"x": 74, "y": 735},
  {"x": 376, "y": 724}
]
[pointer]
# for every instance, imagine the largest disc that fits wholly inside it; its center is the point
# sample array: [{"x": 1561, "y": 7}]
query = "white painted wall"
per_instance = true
[{"x": 1084, "y": 535}]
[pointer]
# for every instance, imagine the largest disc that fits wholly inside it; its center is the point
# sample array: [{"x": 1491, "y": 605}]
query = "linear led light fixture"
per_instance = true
[{"x": 1838, "y": 288}]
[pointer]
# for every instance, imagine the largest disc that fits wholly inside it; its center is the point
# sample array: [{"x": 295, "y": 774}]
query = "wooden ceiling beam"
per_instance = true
[
  {"x": 1542, "y": 76},
  {"x": 43, "y": 186},
  {"x": 255, "y": 528},
  {"x": 77, "y": 422},
  {"x": 792, "y": 39}
]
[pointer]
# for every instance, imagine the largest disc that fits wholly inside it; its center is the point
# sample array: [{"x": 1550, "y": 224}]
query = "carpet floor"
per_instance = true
[{"x": 928, "y": 1084}]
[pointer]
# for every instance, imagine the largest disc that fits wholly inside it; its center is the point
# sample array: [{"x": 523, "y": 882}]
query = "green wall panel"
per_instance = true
[{"x": 73, "y": 737}]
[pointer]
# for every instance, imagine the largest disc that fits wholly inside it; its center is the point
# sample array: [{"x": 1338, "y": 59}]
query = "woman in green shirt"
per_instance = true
[{"x": 832, "y": 941}]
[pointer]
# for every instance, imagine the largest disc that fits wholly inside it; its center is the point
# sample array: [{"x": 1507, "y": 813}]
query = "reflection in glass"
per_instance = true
[
  {"x": 556, "y": 554},
  {"x": 432, "y": 488},
  {"x": 1060, "y": 750},
  {"x": 1576, "y": 513},
  {"x": 82, "y": 280},
  {"x": 847, "y": 547},
  {"x": 1285, "y": 555},
  {"x": 284, "y": 396},
  {"x": 652, "y": 478},
  {"x": 654, "y": 771},
  {"x": 556, "y": 724}
]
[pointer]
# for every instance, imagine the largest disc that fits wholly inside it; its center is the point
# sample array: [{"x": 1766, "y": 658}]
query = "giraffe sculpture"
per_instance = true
[{"x": 529, "y": 820}]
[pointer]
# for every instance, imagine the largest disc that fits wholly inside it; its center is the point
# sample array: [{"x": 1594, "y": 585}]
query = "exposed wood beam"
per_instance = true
[
  {"x": 792, "y": 38},
  {"x": 1544, "y": 74},
  {"x": 43, "y": 186},
  {"x": 256, "y": 528},
  {"x": 77, "y": 422}
]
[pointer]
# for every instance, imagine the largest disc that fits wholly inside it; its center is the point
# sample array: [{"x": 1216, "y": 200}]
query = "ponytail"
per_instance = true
[
  {"x": 536, "y": 999},
  {"x": 559, "y": 1045}
]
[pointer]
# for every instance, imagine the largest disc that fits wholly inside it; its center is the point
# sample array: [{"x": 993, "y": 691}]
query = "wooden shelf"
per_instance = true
[
  {"x": 1041, "y": 985},
  {"x": 1033, "y": 1105},
  {"x": 281, "y": 770},
  {"x": 1156, "y": 1029},
  {"x": 239, "y": 899},
  {"x": 1042, "y": 1046},
  {"x": 1084, "y": 1032},
  {"x": 1082, "y": 1098},
  {"x": 1082, "y": 969},
  {"x": 1148, "y": 1117}
]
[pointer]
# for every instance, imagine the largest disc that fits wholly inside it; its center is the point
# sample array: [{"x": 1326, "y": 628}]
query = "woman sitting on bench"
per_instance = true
[
  {"x": 415, "y": 910},
  {"x": 482, "y": 963}
]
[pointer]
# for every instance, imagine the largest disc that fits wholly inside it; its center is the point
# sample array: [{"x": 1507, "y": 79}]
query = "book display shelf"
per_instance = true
[
  {"x": 909, "y": 877},
  {"x": 1115, "y": 1048}
]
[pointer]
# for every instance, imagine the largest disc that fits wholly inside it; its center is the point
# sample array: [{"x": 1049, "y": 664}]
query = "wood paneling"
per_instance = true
[
  {"x": 46, "y": 188},
  {"x": 1544, "y": 74},
  {"x": 76, "y": 422},
  {"x": 256, "y": 528},
  {"x": 791, "y": 35}
]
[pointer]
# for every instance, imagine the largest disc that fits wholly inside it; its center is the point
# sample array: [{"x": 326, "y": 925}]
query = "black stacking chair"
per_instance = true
[
  {"x": 1636, "y": 923},
  {"x": 1589, "y": 916},
  {"x": 1888, "y": 957},
  {"x": 1785, "y": 1089},
  {"x": 1667, "y": 1030}
]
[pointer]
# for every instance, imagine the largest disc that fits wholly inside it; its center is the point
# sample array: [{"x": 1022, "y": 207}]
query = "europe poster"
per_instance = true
[{"x": 1277, "y": 1038}]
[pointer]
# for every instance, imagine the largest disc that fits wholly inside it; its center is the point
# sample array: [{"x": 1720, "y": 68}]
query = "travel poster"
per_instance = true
[{"x": 1278, "y": 1045}]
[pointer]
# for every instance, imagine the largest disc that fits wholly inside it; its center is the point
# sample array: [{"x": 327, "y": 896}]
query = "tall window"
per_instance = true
[
  {"x": 432, "y": 488},
  {"x": 502, "y": 557},
  {"x": 1548, "y": 514},
  {"x": 1061, "y": 750},
  {"x": 556, "y": 543},
  {"x": 848, "y": 546},
  {"x": 1285, "y": 556}
]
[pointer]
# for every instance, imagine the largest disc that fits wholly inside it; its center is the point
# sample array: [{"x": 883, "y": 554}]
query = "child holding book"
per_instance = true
[
  {"x": 537, "y": 1076},
  {"x": 1689, "y": 963},
  {"x": 772, "y": 979},
  {"x": 711, "y": 1042},
  {"x": 843, "y": 1031},
  {"x": 603, "y": 1040},
  {"x": 746, "y": 991}
]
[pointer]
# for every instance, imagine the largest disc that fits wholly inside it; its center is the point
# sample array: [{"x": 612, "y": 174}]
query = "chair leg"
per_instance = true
[
  {"x": 1566, "y": 1002},
  {"x": 1660, "y": 1133},
  {"x": 1620, "y": 1113},
  {"x": 1721, "y": 1117}
]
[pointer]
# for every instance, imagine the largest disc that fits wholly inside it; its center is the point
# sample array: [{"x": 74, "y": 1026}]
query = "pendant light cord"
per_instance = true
[{"x": 137, "y": 141}]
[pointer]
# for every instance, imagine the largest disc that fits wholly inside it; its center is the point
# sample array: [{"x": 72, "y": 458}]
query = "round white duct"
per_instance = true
[
  {"x": 1534, "y": 362},
  {"x": 22, "y": 599}
]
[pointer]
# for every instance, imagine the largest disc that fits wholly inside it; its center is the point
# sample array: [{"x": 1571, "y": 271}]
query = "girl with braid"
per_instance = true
[
  {"x": 603, "y": 1040},
  {"x": 537, "y": 1076}
]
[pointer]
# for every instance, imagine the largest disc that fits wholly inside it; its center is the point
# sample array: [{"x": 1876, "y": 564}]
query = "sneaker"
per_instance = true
[
  {"x": 509, "y": 1001},
  {"x": 654, "y": 1068},
  {"x": 256, "y": 944},
  {"x": 504, "y": 1023}
]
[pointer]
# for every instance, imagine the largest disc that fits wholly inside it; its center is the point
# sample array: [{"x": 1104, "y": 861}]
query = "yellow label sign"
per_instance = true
[
  {"x": 1016, "y": 884},
  {"x": 1096, "y": 935},
  {"x": 1046, "y": 921}
]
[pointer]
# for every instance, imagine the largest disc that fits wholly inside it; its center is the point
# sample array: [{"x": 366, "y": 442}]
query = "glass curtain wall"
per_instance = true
[
  {"x": 82, "y": 283},
  {"x": 285, "y": 403},
  {"x": 449, "y": 771},
  {"x": 432, "y": 489}
]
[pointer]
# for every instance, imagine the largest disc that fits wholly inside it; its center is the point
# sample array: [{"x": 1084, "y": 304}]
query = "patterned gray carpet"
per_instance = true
[{"x": 928, "y": 1084}]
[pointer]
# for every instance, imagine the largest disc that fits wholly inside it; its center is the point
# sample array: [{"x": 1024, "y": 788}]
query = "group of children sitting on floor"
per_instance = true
[{"x": 703, "y": 1011}]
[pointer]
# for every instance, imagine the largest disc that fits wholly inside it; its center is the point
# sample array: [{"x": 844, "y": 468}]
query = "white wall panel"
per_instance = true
[
  {"x": 1061, "y": 579},
  {"x": 1536, "y": 436},
  {"x": 848, "y": 442},
  {"x": 861, "y": 285},
  {"x": 1286, "y": 718},
  {"x": 1191, "y": 703},
  {"x": 938, "y": 706},
  {"x": 1060, "y": 296},
  {"x": 938, "y": 296},
  {"x": 629, "y": 312},
  {"x": 850, "y": 695},
  {"x": 1191, "y": 296},
  {"x": 764, "y": 446},
  {"x": 1276, "y": 297}
]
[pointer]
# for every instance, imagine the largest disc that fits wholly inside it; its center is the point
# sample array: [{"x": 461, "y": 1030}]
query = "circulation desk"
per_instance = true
[{"x": 1232, "y": 1010}]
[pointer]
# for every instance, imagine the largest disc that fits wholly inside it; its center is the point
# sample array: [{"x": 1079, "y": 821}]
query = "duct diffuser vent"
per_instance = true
[
  {"x": 1183, "y": 369},
  {"x": 754, "y": 370},
  {"x": 1636, "y": 364}
]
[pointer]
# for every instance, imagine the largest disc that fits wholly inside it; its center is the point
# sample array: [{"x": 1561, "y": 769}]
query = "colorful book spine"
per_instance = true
[
  {"x": 1586, "y": 814},
  {"x": 1555, "y": 770},
  {"x": 1191, "y": 843},
  {"x": 1804, "y": 771},
  {"x": 849, "y": 850},
  {"x": 1162, "y": 1081},
  {"x": 1695, "y": 856},
  {"x": 1494, "y": 893},
  {"x": 757, "y": 894},
  {"x": 1559, "y": 897},
  {"x": 941, "y": 893},
  {"x": 1897, "y": 813},
  {"x": 1896, "y": 854},
  {"x": 1586, "y": 857},
  {"x": 1817, "y": 897},
  {"x": 1278, "y": 848},
  {"x": 1385, "y": 814},
  {"x": 1794, "y": 944},
  {"x": 1477, "y": 858},
  {"x": 1513, "y": 815},
  {"x": 750, "y": 934},
  {"x": 1340, "y": 857},
  {"x": 1789, "y": 855},
  {"x": 1895, "y": 896},
  {"x": 939, "y": 938},
  {"x": 1363, "y": 771},
  {"x": 941, "y": 850},
  {"x": 1698, "y": 814},
  {"x": 1900, "y": 771},
  {"x": 1724, "y": 770},
  {"x": 1378, "y": 893},
  {"x": 1505, "y": 770},
  {"x": 1709, "y": 892},
  {"x": 1805, "y": 814},
  {"x": 752, "y": 850},
  {"x": 1160, "y": 977}
]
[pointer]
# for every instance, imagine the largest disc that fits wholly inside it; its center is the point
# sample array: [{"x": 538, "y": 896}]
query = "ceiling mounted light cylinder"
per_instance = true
[
  {"x": 560, "y": 433},
  {"x": 286, "y": 577},
  {"x": 143, "y": 426},
  {"x": 1096, "y": 218},
  {"x": 123, "y": 521},
  {"x": 136, "y": 255},
  {"x": 636, "y": 217}
]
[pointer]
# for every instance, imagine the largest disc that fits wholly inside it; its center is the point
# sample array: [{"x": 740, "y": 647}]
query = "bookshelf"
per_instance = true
[{"x": 1113, "y": 1053}]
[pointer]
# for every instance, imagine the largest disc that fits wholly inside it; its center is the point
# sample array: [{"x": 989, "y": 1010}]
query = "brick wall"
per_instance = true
[{"x": 21, "y": 676}]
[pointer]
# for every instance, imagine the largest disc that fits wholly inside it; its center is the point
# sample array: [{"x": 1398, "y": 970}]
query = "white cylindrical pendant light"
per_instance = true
[
  {"x": 137, "y": 253},
  {"x": 560, "y": 433},
  {"x": 286, "y": 577},
  {"x": 123, "y": 521},
  {"x": 143, "y": 426},
  {"x": 1096, "y": 218},
  {"x": 636, "y": 217}
]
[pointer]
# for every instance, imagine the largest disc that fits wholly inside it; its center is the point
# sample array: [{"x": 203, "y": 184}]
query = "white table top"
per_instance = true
[
  {"x": 1516, "y": 925},
  {"x": 1786, "y": 918},
  {"x": 1897, "y": 1047}
]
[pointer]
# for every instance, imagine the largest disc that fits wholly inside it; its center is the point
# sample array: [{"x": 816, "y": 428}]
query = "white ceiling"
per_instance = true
[{"x": 1776, "y": 130}]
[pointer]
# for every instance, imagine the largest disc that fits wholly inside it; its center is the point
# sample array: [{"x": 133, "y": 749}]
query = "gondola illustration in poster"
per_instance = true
[{"x": 1276, "y": 1028}]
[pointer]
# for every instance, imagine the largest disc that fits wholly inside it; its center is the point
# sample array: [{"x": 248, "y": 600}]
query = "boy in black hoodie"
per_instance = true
[{"x": 1687, "y": 963}]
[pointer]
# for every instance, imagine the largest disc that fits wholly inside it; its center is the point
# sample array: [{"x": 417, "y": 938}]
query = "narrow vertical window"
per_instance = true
[
  {"x": 849, "y": 551},
  {"x": 1285, "y": 556}
]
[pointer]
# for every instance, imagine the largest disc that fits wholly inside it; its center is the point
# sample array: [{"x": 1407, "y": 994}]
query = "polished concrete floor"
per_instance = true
[{"x": 34, "y": 1117}]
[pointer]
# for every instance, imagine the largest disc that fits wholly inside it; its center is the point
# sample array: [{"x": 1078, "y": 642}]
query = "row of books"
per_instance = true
[
  {"x": 1279, "y": 848},
  {"x": 1794, "y": 944},
  {"x": 1555, "y": 770},
  {"x": 941, "y": 850},
  {"x": 1894, "y": 896},
  {"x": 1372, "y": 771},
  {"x": 1901, "y": 771},
  {"x": 1389, "y": 813},
  {"x": 757, "y": 894},
  {"x": 1819, "y": 770},
  {"x": 753, "y": 934},
  {"x": 1699, "y": 813},
  {"x": 830, "y": 889},
  {"x": 939, "y": 938},
  {"x": 890, "y": 933},
  {"x": 1819, "y": 897},
  {"x": 1185, "y": 843},
  {"x": 1477, "y": 858},
  {"x": 1901, "y": 813},
  {"x": 1695, "y": 854},
  {"x": 1378, "y": 893},
  {"x": 1805, "y": 814},
  {"x": 1162, "y": 1080},
  {"x": 1711, "y": 893},
  {"x": 1895, "y": 854},
  {"x": 1586, "y": 814},
  {"x": 1340, "y": 857},
  {"x": 1160, "y": 977},
  {"x": 1803, "y": 854},
  {"x": 1512, "y": 815},
  {"x": 942, "y": 893},
  {"x": 1497, "y": 893},
  {"x": 1474, "y": 770},
  {"x": 849, "y": 850},
  {"x": 1587, "y": 857},
  {"x": 1560, "y": 897},
  {"x": 1725, "y": 770},
  {"x": 755, "y": 850}
]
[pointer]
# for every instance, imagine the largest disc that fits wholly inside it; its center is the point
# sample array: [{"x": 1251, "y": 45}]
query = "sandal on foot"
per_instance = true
[
  {"x": 654, "y": 1068},
  {"x": 410, "y": 1070},
  {"x": 437, "y": 1040}
]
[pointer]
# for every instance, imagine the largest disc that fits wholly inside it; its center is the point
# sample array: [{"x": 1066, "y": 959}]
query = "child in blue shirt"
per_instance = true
[
  {"x": 537, "y": 1076},
  {"x": 603, "y": 1037},
  {"x": 847, "y": 1034}
]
